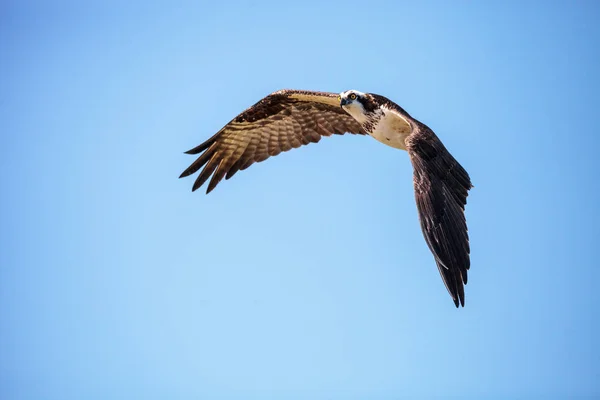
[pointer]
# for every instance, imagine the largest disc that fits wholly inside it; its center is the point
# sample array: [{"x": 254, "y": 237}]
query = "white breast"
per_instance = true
[{"x": 391, "y": 129}]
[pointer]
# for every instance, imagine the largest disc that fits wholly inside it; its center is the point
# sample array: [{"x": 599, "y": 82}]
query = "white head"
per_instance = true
[{"x": 352, "y": 102}]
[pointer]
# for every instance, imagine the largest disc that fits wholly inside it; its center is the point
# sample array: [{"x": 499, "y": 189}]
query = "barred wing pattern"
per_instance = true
[
  {"x": 281, "y": 121},
  {"x": 441, "y": 189}
]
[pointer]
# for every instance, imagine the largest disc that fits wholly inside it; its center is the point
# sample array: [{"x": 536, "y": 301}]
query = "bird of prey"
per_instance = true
[{"x": 288, "y": 119}]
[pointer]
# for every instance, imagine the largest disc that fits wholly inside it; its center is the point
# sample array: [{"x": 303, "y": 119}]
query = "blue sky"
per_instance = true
[{"x": 306, "y": 276}]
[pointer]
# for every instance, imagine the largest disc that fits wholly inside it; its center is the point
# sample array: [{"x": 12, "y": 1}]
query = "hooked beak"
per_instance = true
[{"x": 343, "y": 102}]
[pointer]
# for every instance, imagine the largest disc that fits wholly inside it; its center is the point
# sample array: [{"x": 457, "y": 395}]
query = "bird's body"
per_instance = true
[
  {"x": 385, "y": 123},
  {"x": 388, "y": 130},
  {"x": 291, "y": 118}
]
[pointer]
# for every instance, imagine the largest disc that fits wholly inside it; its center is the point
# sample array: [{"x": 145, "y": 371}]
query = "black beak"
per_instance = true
[{"x": 343, "y": 102}]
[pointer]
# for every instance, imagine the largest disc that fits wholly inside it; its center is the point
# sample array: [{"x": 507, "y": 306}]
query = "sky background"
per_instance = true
[{"x": 306, "y": 276}]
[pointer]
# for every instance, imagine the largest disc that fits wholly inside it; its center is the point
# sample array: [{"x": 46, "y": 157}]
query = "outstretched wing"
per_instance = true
[
  {"x": 281, "y": 121},
  {"x": 441, "y": 190}
]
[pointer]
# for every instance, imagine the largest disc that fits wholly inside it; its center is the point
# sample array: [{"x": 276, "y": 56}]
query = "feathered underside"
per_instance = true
[
  {"x": 281, "y": 121},
  {"x": 441, "y": 189}
]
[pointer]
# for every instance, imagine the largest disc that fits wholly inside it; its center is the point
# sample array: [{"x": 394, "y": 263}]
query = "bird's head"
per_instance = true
[{"x": 353, "y": 102}]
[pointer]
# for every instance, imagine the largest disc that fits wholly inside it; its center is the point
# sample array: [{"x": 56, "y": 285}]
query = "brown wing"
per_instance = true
[
  {"x": 281, "y": 121},
  {"x": 441, "y": 190}
]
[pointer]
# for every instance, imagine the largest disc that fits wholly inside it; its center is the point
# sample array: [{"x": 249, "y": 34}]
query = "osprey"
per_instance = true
[{"x": 288, "y": 119}]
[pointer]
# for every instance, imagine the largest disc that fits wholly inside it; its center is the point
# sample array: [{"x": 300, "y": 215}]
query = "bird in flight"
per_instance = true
[{"x": 288, "y": 119}]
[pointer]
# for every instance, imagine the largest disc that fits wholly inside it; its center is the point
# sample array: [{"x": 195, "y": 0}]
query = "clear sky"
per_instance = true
[{"x": 306, "y": 276}]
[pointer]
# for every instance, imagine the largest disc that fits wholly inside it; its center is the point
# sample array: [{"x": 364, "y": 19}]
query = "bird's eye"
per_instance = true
[{"x": 352, "y": 96}]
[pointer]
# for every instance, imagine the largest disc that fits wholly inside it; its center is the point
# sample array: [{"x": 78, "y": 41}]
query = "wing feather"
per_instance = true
[
  {"x": 441, "y": 190},
  {"x": 282, "y": 121},
  {"x": 208, "y": 169},
  {"x": 200, "y": 161}
]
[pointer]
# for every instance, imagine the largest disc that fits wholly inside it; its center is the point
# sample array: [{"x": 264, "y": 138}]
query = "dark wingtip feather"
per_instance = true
[
  {"x": 196, "y": 165},
  {"x": 200, "y": 161},
  {"x": 201, "y": 147},
  {"x": 196, "y": 185},
  {"x": 459, "y": 295},
  {"x": 207, "y": 171},
  {"x": 455, "y": 302},
  {"x": 453, "y": 280}
]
